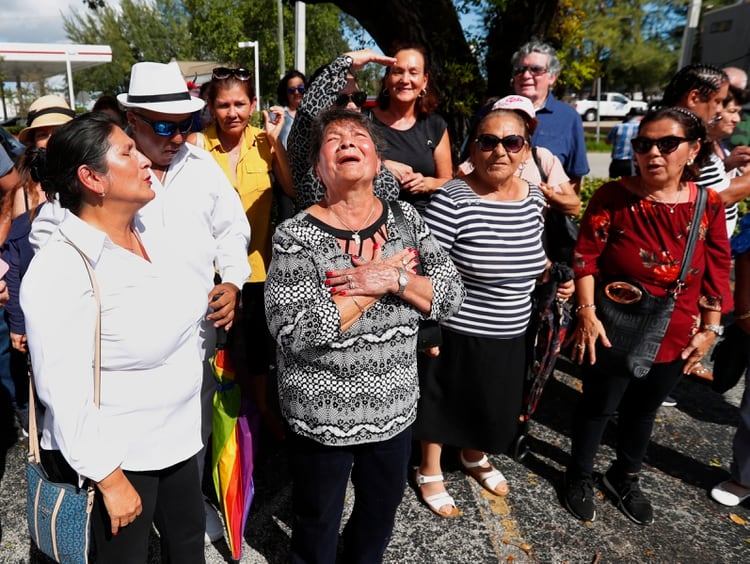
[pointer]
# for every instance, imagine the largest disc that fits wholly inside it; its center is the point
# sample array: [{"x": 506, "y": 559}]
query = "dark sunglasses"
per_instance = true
[
  {"x": 168, "y": 128},
  {"x": 293, "y": 89},
  {"x": 666, "y": 145},
  {"x": 511, "y": 143},
  {"x": 222, "y": 73},
  {"x": 359, "y": 99},
  {"x": 535, "y": 70}
]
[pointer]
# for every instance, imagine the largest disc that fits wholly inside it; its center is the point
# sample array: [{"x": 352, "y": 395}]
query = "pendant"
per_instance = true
[{"x": 356, "y": 238}]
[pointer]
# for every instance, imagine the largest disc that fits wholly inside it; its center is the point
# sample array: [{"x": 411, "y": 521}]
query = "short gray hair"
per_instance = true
[{"x": 536, "y": 46}]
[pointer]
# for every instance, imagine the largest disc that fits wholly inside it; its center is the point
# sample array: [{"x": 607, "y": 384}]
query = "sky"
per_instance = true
[
  {"x": 40, "y": 21},
  {"x": 35, "y": 21}
]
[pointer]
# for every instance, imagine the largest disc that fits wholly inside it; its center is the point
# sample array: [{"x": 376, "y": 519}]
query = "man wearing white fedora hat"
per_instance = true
[
  {"x": 196, "y": 210},
  {"x": 195, "y": 205}
]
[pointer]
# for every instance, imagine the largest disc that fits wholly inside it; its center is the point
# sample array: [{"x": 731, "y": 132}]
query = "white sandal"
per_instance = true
[
  {"x": 438, "y": 500},
  {"x": 488, "y": 480}
]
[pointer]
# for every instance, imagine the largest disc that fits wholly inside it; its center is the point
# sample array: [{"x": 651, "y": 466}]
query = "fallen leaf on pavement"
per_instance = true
[{"x": 737, "y": 519}]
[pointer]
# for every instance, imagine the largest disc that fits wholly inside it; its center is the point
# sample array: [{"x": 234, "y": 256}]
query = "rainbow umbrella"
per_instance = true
[{"x": 234, "y": 423}]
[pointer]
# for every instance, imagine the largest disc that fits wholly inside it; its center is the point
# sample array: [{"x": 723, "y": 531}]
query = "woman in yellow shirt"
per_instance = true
[{"x": 249, "y": 155}]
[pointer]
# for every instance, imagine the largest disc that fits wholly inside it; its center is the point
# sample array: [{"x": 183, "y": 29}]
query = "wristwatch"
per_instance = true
[
  {"x": 402, "y": 281},
  {"x": 718, "y": 329}
]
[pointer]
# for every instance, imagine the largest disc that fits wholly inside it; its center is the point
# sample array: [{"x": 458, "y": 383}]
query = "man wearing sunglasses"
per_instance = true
[
  {"x": 331, "y": 85},
  {"x": 195, "y": 206},
  {"x": 560, "y": 129}
]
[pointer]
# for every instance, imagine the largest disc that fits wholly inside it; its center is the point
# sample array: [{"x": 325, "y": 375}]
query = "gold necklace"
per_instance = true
[
  {"x": 669, "y": 205},
  {"x": 355, "y": 232}
]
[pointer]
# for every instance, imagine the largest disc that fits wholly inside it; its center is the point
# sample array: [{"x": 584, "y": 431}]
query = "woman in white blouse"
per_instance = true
[{"x": 139, "y": 447}]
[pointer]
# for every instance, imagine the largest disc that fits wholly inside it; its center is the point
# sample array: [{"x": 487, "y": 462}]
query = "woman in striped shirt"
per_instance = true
[{"x": 490, "y": 222}]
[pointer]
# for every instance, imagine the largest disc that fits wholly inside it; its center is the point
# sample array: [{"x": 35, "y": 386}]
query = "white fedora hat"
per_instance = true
[{"x": 159, "y": 88}]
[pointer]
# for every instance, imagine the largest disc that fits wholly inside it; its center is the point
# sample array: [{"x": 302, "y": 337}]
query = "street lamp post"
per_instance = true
[{"x": 256, "y": 69}]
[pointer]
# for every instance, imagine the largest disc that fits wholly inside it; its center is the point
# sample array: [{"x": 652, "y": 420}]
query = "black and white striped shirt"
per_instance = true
[
  {"x": 714, "y": 176},
  {"x": 497, "y": 248}
]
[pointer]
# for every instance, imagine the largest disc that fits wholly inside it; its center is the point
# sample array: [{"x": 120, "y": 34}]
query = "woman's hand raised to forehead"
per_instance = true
[{"x": 364, "y": 56}]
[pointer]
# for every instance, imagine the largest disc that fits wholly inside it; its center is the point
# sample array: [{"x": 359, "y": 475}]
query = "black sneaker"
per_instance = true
[
  {"x": 627, "y": 494},
  {"x": 578, "y": 494}
]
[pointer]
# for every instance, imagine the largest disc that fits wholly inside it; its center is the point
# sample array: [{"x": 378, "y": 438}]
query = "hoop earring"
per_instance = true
[
  {"x": 386, "y": 93},
  {"x": 423, "y": 93},
  {"x": 690, "y": 162}
]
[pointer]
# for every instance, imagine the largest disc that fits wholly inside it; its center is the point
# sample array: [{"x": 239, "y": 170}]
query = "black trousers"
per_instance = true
[
  {"x": 171, "y": 499},
  {"x": 321, "y": 473},
  {"x": 636, "y": 402},
  {"x": 621, "y": 167}
]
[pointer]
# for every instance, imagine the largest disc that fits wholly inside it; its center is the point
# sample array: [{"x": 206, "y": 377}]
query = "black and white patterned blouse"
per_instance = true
[
  {"x": 319, "y": 97},
  {"x": 361, "y": 385},
  {"x": 497, "y": 248}
]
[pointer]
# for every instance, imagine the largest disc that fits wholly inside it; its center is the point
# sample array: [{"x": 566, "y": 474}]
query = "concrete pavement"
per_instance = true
[
  {"x": 689, "y": 453},
  {"x": 599, "y": 165}
]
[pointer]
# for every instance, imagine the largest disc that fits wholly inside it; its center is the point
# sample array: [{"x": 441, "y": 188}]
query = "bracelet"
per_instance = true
[
  {"x": 359, "y": 307},
  {"x": 584, "y": 306},
  {"x": 743, "y": 316}
]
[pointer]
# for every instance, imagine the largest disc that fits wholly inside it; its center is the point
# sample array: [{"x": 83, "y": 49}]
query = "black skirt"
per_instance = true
[{"x": 470, "y": 395}]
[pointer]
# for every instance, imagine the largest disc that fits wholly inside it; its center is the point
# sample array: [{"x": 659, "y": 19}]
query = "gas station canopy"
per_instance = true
[{"x": 50, "y": 59}]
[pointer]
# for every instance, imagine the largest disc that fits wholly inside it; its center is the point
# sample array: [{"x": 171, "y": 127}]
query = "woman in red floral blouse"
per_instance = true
[{"x": 636, "y": 229}]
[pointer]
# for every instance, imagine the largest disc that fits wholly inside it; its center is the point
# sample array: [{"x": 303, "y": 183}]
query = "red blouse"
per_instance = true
[{"x": 624, "y": 236}]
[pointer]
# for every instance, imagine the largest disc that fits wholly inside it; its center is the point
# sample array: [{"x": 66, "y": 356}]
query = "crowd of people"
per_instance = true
[{"x": 326, "y": 242}]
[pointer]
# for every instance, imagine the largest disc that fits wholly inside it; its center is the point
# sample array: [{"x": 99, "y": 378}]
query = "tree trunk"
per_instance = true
[
  {"x": 434, "y": 24},
  {"x": 521, "y": 21},
  {"x": 455, "y": 70}
]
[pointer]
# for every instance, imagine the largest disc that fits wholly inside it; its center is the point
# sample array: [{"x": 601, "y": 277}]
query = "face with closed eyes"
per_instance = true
[{"x": 347, "y": 156}]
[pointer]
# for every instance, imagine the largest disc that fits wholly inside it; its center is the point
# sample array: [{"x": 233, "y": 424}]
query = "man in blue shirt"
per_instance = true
[
  {"x": 622, "y": 151},
  {"x": 560, "y": 129}
]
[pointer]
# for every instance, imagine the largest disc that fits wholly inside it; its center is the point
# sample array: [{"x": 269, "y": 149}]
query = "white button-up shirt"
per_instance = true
[
  {"x": 151, "y": 356},
  {"x": 197, "y": 213}
]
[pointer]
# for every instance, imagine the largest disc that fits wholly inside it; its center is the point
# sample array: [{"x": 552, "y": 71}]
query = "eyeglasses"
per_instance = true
[
  {"x": 665, "y": 145},
  {"x": 293, "y": 89},
  {"x": 534, "y": 70},
  {"x": 222, "y": 73},
  {"x": 359, "y": 99},
  {"x": 511, "y": 143},
  {"x": 164, "y": 128}
]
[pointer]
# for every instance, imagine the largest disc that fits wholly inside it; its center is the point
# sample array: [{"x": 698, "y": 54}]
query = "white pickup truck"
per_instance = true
[{"x": 611, "y": 105}]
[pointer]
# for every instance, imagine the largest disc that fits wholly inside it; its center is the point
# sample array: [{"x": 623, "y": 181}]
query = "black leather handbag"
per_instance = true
[
  {"x": 429, "y": 330},
  {"x": 635, "y": 320}
]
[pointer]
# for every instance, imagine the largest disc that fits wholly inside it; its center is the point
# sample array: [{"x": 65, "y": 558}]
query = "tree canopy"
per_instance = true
[
  {"x": 161, "y": 30},
  {"x": 633, "y": 46}
]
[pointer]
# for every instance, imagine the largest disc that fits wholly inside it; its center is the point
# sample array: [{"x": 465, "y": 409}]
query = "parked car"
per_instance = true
[
  {"x": 12, "y": 146},
  {"x": 611, "y": 105}
]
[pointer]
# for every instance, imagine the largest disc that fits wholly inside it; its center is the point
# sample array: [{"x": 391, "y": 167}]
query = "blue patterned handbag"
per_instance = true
[{"x": 59, "y": 514}]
